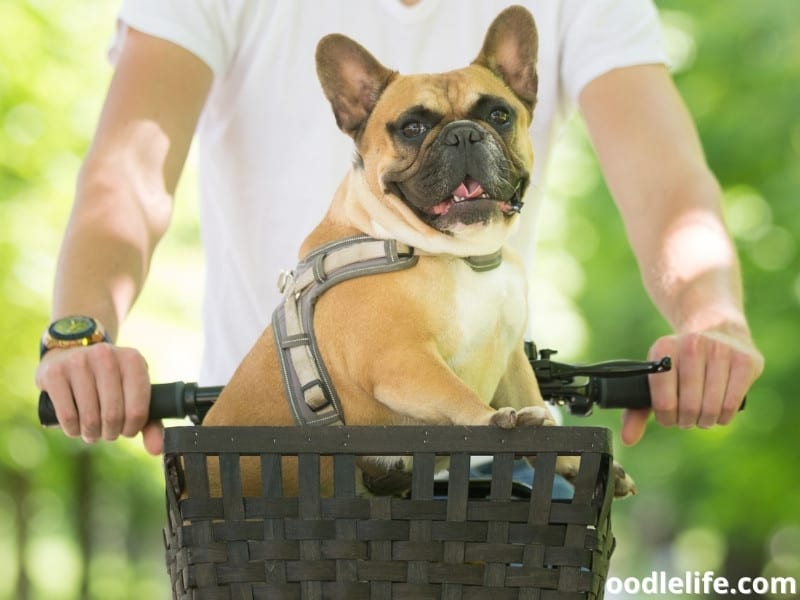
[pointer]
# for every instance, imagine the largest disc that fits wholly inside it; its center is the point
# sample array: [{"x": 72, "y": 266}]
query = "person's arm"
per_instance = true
[
  {"x": 670, "y": 202},
  {"x": 122, "y": 208}
]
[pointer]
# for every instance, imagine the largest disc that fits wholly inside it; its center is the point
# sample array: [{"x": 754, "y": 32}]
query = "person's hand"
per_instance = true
[
  {"x": 100, "y": 392},
  {"x": 710, "y": 376}
]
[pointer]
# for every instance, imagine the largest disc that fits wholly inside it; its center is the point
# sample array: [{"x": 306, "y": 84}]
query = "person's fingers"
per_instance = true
[
  {"x": 153, "y": 437},
  {"x": 691, "y": 379},
  {"x": 710, "y": 376},
  {"x": 746, "y": 367},
  {"x": 634, "y": 423},
  {"x": 98, "y": 391},
  {"x": 664, "y": 386},
  {"x": 64, "y": 405},
  {"x": 51, "y": 377},
  {"x": 77, "y": 368},
  {"x": 106, "y": 369},
  {"x": 136, "y": 388},
  {"x": 716, "y": 383}
]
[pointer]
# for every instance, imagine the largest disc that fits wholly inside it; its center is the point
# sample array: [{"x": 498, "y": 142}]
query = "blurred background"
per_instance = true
[{"x": 84, "y": 522}]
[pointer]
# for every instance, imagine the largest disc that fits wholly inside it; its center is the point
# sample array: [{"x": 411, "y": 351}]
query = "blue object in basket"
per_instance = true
[{"x": 524, "y": 473}]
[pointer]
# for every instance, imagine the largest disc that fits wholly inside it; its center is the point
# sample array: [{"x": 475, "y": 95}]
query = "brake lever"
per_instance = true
[
  {"x": 552, "y": 370},
  {"x": 581, "y": 387}
]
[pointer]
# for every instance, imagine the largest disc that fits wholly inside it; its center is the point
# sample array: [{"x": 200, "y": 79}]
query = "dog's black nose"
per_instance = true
[{"x": 462, "y": 133}]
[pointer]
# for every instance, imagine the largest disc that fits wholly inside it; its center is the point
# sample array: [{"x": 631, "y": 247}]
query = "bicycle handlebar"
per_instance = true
[
  {"x": 608, "y": 385},
  {"x": 175, "y": 400},
  {"x": 611, "y": 384}
]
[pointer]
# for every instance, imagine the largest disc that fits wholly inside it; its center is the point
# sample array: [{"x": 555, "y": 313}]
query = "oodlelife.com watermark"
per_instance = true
[{"x": 697, "y": 583}]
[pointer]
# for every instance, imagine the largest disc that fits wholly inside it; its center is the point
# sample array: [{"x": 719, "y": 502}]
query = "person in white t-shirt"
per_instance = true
[{"x": 241, "y": 75}]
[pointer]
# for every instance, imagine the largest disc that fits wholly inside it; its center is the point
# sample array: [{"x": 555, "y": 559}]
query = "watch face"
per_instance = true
[{"x": 72, "y": 328}]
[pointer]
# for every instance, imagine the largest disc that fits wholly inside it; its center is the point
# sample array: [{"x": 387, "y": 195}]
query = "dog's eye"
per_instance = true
[
  {"x": 499, "y": 116},
  {"x": 412, "y": 129}
]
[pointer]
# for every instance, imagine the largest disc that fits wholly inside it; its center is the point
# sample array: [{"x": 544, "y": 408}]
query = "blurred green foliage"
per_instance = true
[
  {"x": 78, "y": 522},
  {"x": 75, "y": 522},
  {"x": 732, "y": 490}
]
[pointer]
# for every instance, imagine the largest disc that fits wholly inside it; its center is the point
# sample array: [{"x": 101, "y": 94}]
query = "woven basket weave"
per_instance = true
[{"x": 494, "y": 540}]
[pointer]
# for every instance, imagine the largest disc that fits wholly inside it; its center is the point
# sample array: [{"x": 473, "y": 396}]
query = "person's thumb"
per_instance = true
[
  {"x": 153, "y": 437},
  {"x": 634, "y": 423}
]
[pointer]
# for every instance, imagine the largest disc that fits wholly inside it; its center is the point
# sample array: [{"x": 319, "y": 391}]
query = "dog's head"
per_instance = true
[{"x": 448, "y": 154}]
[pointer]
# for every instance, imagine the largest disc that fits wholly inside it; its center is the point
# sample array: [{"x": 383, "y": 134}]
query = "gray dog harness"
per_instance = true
[{"x": 308, "y": 386}]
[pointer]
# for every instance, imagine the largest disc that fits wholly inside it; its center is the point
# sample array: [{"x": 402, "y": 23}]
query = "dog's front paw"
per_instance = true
[
  {"x": 568, "y": 466},
  {"x": 505, "y": 418},
  {"x": 534, "y": 416},
  {"x": 529, "y": 416},
  {"x": 623, "y": 484}
]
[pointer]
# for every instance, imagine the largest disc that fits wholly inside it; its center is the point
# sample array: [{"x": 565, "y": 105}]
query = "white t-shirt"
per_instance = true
[{"x": 270, "y": 154}]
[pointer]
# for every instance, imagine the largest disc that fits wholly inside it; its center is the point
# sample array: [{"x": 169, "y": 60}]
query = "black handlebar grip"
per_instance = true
[
  {"x": 623, "y": 392},
  {"x": 167, "y": 401},
  {"x": 47, "y": 413},
  {"x": 628, "y": 392}
]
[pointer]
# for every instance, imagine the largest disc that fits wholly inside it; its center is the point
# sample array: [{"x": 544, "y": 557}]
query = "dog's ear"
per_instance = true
[
  {"x": 510, "y": 50},
  {"x": 352, "y": 80}
]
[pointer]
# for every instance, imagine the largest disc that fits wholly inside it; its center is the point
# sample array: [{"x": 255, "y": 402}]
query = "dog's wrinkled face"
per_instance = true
[
  {"x": 460, "y": 153},
  {"x": 453, "y": 148}
]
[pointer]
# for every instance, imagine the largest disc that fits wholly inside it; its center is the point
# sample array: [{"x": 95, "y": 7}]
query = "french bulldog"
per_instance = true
[{"x": 442, "y": 165}]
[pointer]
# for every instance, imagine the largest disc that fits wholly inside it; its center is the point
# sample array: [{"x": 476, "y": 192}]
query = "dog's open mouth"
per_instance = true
[{"x": 470, "y": 191}]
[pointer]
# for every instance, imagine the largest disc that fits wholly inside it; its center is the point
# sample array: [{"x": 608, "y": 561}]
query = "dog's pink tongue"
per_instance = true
[{"x": 469, "y": 188}]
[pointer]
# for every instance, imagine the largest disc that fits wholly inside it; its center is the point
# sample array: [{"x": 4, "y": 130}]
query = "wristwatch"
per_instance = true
[{"x": 73, "y": 331}]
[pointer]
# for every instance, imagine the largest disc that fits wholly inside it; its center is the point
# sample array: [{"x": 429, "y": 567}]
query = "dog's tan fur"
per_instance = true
[{"x": 439, "y": 343}]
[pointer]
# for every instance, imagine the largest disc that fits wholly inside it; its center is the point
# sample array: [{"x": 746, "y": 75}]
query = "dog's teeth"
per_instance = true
[{"x": 458, "y": 198}]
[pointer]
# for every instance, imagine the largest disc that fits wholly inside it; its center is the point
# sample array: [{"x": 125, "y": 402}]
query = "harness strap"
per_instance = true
[
  {"x": 308, "y": 386},
  {"x": 309, "y": 389}
]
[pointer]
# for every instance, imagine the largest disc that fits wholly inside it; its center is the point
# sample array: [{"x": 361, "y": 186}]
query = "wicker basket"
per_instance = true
[{"x": 465, "y": 541}]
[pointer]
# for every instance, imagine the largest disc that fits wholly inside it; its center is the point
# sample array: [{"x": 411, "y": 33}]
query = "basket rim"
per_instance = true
[{"x": 385, "y": 440}]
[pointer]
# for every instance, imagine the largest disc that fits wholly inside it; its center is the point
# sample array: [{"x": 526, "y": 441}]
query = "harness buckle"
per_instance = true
[{"x": 285, "y": 281}]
